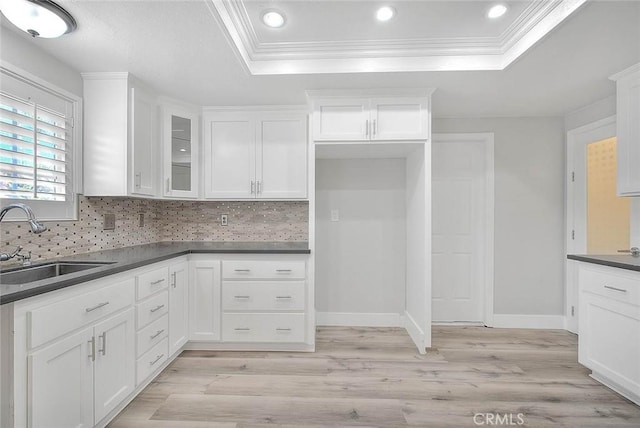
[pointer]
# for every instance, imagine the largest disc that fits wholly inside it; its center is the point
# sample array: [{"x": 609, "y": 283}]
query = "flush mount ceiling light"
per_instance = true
[
  {"x": 273, "y": 19},
  {"x": 40, "y": 18},
  {"x": 385, "y": 13},
  {"x": 497, "y": 11}
]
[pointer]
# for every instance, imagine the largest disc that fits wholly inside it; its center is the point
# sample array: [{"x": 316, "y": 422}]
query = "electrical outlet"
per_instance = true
[
  {"x": 109, "y": 222},
  {"x": 335, "y": 215},
  {"x": 224, "y": 220},
  {"x": 140, "y": 219}
]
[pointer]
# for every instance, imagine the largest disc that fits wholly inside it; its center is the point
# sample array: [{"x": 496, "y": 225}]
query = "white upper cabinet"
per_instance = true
[
  {"x": 120, "y": 136},
  {"x": 344, "y": 119},
  {"x": 339, "y": 118},
  {"x": 628, "y": 130},
  {"x": 255, "y": 155},
  {"x": 281, "y": 153},
  {"x": 230, "y": 156},
  {"x": 180, "y": 151}
]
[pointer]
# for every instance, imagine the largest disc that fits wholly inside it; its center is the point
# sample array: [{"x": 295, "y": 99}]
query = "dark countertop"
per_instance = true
[
  {"x": 622, "y": 261},
  {"x": 127, "y": 258}
]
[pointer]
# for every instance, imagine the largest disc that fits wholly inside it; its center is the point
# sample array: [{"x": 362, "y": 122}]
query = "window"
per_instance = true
[{"x": 36, "y": 147}]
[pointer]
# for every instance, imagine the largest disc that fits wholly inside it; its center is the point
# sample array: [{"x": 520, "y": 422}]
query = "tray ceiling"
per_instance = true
[{"x": 344, "y": 36}]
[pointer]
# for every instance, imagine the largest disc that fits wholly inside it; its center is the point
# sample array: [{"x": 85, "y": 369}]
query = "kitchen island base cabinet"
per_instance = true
[{"x": 609, "y": 341}]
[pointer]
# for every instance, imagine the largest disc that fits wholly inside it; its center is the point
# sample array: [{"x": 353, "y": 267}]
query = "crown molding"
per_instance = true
[{"x": 419, "y": 54}]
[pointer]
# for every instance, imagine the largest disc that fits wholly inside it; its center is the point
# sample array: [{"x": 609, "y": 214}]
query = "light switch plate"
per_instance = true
[
  {"x": 140, "y": 219},
  {"x": 224, "y": 220},
  {"x": 109, "y": 222}
]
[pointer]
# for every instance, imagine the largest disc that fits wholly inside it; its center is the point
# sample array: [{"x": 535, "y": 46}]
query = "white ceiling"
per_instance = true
[
  {"x": 181, "y": 49},
  {"x": 344, "y": 36}
]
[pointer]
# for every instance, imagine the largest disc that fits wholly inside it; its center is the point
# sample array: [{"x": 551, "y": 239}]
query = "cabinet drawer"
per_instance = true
[
  {"x": 56, "y": 319},
  {"x": 151, "y": 360},
  {"x": 618, "y": 286},
  {"x": 263, "y": 269},
  {"x": 152, "y": 334},
  {"x": 152, "y": 282},
  {"x": 274, "y": 328},
  {"x": 153, "y": 308},
  {"x": 263, "y": 296}
]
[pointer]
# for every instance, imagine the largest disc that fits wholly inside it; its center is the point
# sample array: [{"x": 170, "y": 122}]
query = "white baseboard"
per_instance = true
[
  {"x": 549, "y": 322},
  {"x": 415, "y": 332},
  {"x": 353, "y": 319}
]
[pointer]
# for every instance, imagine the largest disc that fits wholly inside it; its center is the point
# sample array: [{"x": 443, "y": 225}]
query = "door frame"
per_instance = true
[
  {"x": 487, "y": 140},
  {"x": 576, "y": 219}
]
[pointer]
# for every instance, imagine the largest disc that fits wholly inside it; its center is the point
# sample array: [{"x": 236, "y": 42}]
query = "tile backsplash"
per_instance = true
[{"x": 163, "y": 221}]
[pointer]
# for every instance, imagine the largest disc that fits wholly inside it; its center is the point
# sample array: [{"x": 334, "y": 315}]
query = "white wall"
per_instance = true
[
  {"x": 21, "y": 52},
  {"x": 360, "y": 259},
  {"x": 591, "y": 113},
  {"x": 529, "y": 211}
]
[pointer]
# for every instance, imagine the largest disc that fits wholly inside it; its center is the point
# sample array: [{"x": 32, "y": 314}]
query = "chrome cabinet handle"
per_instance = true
[
  {"x": 103, "y": 351},
  {"x": 283, "y": 329},
  {"x": 374, "y": 128},
  {"x": 157, "y": 282},
  {"x": 168, "y": 185},
  {"x": 98, "y": 306},
  {"x": 253, "y": 185},
  {"x": 283, "y": 270},
  {"x": 138, "y": 180},
  {"x": 158, "y": 333},
  {"x": 242, "y": 270},
  {"x": 157, "y": 308},
  {"x": 92, "y": 348},
  {"x": 174, "y": 280},
  {"x": 622, "y": 290},
  {"x": 156, "y": 360},
  {"x": 241, "y": 297},
  {"x": 259, "y": 187},
  {"x": 366, "y": 128},
  {"x": 635, "y": 251},
  {"x": 242, "y": 329},
  {"x": 283, "y": 297}
]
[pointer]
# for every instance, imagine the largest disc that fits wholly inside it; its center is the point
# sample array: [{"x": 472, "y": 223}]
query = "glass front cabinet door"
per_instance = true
[{"x": 180, "y": 152}]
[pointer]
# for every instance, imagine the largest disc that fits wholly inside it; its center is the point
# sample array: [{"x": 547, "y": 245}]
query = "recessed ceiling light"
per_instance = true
[
  {"x": 273, "y": 19},
  {"x": 42, "y": 18},
  {"x": 497, "y": 11},
  {"x": 385, "y": 13}
]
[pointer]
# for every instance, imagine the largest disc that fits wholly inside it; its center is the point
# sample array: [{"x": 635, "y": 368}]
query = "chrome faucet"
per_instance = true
[{"x": 36, "y": 227}]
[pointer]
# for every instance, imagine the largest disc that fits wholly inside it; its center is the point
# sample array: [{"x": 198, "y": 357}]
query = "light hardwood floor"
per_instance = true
[{"x": 374, "y": 377}]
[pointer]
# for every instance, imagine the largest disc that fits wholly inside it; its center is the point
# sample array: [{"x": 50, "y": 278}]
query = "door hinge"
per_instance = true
[
  {"x": 573, "y": 311},
  {"x": 573, "y": 234}
]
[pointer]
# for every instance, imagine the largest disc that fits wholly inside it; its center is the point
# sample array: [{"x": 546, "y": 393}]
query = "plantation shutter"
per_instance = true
[{"x": 35, "y": 143}]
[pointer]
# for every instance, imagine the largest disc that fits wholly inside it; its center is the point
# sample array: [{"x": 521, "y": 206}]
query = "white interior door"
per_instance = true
[{"x": 459, "y": 186}]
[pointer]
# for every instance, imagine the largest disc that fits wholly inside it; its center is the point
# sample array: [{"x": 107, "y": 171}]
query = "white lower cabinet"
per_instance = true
[
  {"x": 263, "y": 327},
  {"x": 609, "y": 341},
  {"x": 152, "y": 307},
  {"x": 60, "y": 383},
  {"x": 178, "y": 306},
  {"x": 264, "y": 301},
  {"x": 204, "y": 300},
  {"x": 78, "y": 380},
  {"x": 80, "y": 354}
]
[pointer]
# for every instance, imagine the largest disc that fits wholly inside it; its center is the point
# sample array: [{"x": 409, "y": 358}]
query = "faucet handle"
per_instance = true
[{"x": 26, "y": 258}]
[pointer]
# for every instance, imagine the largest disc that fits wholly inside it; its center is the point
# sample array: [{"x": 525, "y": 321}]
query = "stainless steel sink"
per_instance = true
[{"x": 27, "y": 274}]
